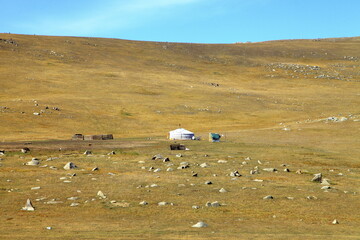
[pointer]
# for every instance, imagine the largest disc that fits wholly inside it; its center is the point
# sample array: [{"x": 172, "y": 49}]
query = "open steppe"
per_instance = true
[{"x": 281, "y": 104}]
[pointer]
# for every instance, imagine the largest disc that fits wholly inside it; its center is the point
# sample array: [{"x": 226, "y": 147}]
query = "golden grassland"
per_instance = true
[
  {"x": 133, "y": 89},
  {"x": 270, "y": 105}
]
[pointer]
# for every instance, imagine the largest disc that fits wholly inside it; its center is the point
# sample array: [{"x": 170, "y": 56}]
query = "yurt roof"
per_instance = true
[{"x": 182, "y": 131}]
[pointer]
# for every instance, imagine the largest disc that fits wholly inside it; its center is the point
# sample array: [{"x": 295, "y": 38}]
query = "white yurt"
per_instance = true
[{"x": 181, "y": 134}]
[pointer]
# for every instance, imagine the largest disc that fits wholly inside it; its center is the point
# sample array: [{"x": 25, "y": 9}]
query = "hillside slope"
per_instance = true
[{"x": 138, "y": 89}]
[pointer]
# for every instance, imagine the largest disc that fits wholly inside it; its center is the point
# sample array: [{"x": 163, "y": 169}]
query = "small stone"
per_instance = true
[
  {"x": 69, "y": 166},
  {"x": 268, "y": 197},
  {"x": 199, "y": 225},
  {"x": 335, "y": 221},
  {"x": 195, "y": 207},
  {"x": 101, "y": 195},
  {"x": 33, "y": 162},
  {"x": 143, "y": 203},
  {"x": 163, "y": 203},
  {"x": 204, "y": 165},
  {"x": 298, "y": 171},
  {"x": 325, "y": 187},
  {"x": 166, "y": 159},
  {"x": 87, "y": 152},
  {"x": 258, "y": 180},
  {"x": 222, "y": 161},
  {"x": 286, "y": 170},
  {"x": 35, "y": 188},
  {"x": 208, "y": 182},
  {"x": 169, "y": 169},
  {"x": 157, "y": 170},
  {"x": 222, "y": 190},
  {"x": 73, "y": 198},
  {"x": 154, "y": 185},
  {"x": 215, "y": 204},
  {"x": 235, "y": 174},
  {"x": 28, "y": 206},
  {"x": 325, "y": 182},
  {"x": 269, "y": 169},
  {"x": 74, "y": 204},
  {"x": 95, "y": 169},
  {"x": 317, "y": 177},
  {"x": 157, "y": 157}
]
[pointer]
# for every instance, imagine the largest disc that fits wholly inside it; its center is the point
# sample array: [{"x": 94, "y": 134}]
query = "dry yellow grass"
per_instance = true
[{"x": 138, "y": 90}]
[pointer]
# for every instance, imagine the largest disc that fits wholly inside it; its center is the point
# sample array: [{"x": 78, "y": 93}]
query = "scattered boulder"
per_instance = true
[
  {"x": 143, "y": 203},
  {"x": 204, "y": 165},
  {"x": 199, "y": 225},
  {"x": 252, "y": 172},
  {"x": 269, "y": 169},
  {"x": 28, "y": 206},
  {"x": 317, "y": 177},
  {"x": 335, "y": 221},
  {"x": 222, "y": 190},
  {"x": 69, "y": 166},
  {"x": 325, "y": 182},
  {"x": 268, "y": 197},
  {"x": 222, "y": 161},
  {"x": 25, "y": 150},
  {"x": 157, "y": 157},
  {"x": 208, "y": 182},
  {"x": 235, "y": 174},
  {"x": 101, "y": 195},
  {"x": 33, "y": 162},
  {"x": 87, "y": 152},
  {"x": 111, "y": 153},
  {"x": 95, "y": 169}
]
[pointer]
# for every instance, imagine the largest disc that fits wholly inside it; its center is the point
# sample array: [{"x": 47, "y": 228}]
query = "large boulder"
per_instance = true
[{"x": 69, "y": 166}]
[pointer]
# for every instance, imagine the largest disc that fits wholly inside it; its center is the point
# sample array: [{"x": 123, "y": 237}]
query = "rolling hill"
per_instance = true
[{"x": 141, "y": 89}]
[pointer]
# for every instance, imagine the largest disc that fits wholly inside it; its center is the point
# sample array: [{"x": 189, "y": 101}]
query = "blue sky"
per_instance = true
[{"x": 197, "y": 21}]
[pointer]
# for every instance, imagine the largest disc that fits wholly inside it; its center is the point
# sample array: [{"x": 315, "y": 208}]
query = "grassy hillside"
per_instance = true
[{"x": 139, "y": 89}]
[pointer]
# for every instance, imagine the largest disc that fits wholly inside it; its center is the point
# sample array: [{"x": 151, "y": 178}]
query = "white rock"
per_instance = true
[
  {"x": 35, "y": 188},
  {"x": 268, "y": 197},
  {"x": 28, "y": 206},
  {"x": 222, "y": 190},
  {"x": 163, "y": 203},
  {"x": 204, "y": 165},
  {"x": 101, "y": 195},
  {"x": 222, "y": 161},
  {"x": 74, "y": 204},
  {"x": 199, "y": 225},
  {"x": 69, "y": 166},
  {"x": 335, "y": 221},
  {"x": 143, "y": 203}
]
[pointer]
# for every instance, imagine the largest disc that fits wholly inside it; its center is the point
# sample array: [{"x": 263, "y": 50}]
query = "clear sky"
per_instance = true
[{"x": 197, "y": 21}]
